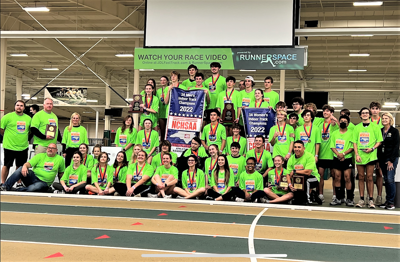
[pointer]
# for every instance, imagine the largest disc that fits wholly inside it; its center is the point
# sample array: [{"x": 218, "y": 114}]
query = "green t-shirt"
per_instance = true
[
  {"x": 194, "y": 182},
  {"x": 309, "y": 142},
  {"x": 251, "y": 182},
  {"x": 305, "y": 162},
  {"x": 282, "y": 142},
  {"x": 138, "y": 173},
  {"x": 88, "y": 162},
  {"x": 300, "y": 122},
  {"x": 225, "y": 97},
  {"x": 46, "y": 168},
  {"x": 40, "y": 120},
  {"x": 272, "y": 98},
  {"x": 264, "y": 160},
  {"x": 214, "y": 138},
  {"x": 220, "y": 184},
  {"x": 215, "y": 89},
  {"x": 318, "y": 121},
  {"x": 342, "y": 142},
  {"x": 73, "y": 176},
  {"x": 379, "y": 122},
  {"x": 367, "y": 137},
  {"x": 189, "y": 83},
  {"x": 119, "y": 174},
  {"x": 242, "y": 143},
  {"x": 201, "y": 152},
  {"x": 273, "y": 179},
  {"x": 263, "y": 104},
  {"x": 77, "y": 136},
  {"x": 108, "y": 172},
  {"x": 164, "y": 173},
  {"x": 237, "y": 164},
  {"x": 351, "y": 126},
  {"x": 157, "y": 159},
  {"x": 122, "y": 139},
  {"x": 209, "y": 166},
  {"x": 162, "y": 108},
  {"x": 147, "y": 115},
  {"x": 151, "y": 143},
  {"x": 16, "y": 131},
  {"x": 325, "y": 151},
  {"x": 246, "y": 99}
]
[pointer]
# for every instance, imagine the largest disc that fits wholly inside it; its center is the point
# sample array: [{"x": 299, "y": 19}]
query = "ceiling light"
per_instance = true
[
  {"x": 336, "y": 105},
  {"x": 335, "y": 102},
  {"x": 387, "y": 106},
  {"x": 391, "y": 104},
  {"x": 18, "y": 55},
  {"x": 36, "y": 9},
  {"x": 34, "y": 98},
  {"x": 25, "y": 95},
  {"x": 144, "y": 70},
  {"x": 124, "y": 55},
  {"x": 356, "y": 81},
  {"x": 50, "y": 68},
  {"x": 129, "y": 99},
  {"x": 375, "y": 3},
  {"x": 358, "y": 54},
  {"x": 92, "y": 101},
  {"x": 243, "y": 70},
  {"x": 362, "y": 35},
  {"x": 357, "y": 70},
  {"x": 87, "y": 112}
]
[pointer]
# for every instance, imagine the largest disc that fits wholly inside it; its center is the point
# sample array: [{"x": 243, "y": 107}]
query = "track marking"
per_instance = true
[
  {"x": 196, "y": 221},
  {"x": 251, "y": 235}
]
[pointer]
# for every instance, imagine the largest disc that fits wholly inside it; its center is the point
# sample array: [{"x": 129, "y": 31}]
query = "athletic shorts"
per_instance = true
[
  {"x": 342, "y": 165},
  {"x": 325, "y": 163},
  {"x": 20, "y": 157}
]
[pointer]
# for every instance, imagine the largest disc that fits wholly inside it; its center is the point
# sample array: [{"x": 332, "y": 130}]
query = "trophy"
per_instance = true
[
  {"x": 228, "y": 115},
  {"x": 135, "y": 104},
  {"x": 283, "y": 182},
  {"x": 51, "y": 131},
  {"x": 298, "y": 182}
]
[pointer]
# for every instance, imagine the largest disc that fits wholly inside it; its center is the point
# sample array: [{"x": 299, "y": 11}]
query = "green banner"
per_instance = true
[{"x": 229, "y": 58}]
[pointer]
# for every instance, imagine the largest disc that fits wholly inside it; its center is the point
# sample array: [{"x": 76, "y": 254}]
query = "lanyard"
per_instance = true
[
  {"x": 281, "y": 133},
  {"x": 214, "y": 82},
  {"x": 214, "y": 130},
  {"x": 192, "y": 178},
  {"x": 196, "y": 153},
  {"x": 138, "y": 173},
  {"x": 147, "y": 137},
  {"x": 278, "y": 177},
  {"x": 259, "y": 158},
  {"x": 102, "y": 175},
  {"x": 212, "y": 166},
  {"x": 161, "y": 156},
  {"x": 377, "y": 121},
  {"x": 259, "y": 105},
  {"x": 229, "y": 97},
  {"x": 162, "y": 93},
  {"x": 149, "y": 102},
  {"x": 116, "y": 172},
  {"x": 84, "y": 161},
  {"x": 233, "y": 138},
  {"x": 325, "y": 129},
  {"x": 308, "y": 133}
]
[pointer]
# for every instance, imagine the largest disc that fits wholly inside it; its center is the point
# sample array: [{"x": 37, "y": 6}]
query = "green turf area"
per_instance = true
[
  {"x": 188, "y": 243},
  {"x": 203, "y": 217}
]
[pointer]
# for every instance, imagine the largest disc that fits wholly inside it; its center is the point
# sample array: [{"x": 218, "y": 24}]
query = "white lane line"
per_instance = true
[{"x": 251, "y": 235}]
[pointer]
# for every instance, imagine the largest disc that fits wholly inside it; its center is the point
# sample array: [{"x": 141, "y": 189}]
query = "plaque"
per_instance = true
[
  {"x": 51, "y": 131},
  {"x": 135, "y": 104},
  {"x": 228, "y": 115},
  {"x": 298, "y": 182},
  {"x": 283, "y": 182}
]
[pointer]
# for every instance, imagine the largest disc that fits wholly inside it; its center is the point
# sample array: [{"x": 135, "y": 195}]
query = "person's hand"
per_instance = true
[
  {"x": 247, "y": 196},
  {"x": 287, "y": 156},
  {"x": 276, "y": 134},
  {"x": 141, "y": 105},
  {"x": 106, "y": 191},
  {"x": 24, "y": 171},
  {"x": 67, "y": 189},
  {"x": 389, "y": 166},
  {"x": 340, "y": 156},
  {"x": 49, "y": 137},
  {"x": 220, "y": 120},
  {"x": 368, "y": 150},
  {"x": 160, "y": 186},
  {"x": 292, "y": 188},
  {"x": 206, "y": 147},
  {"x": 205, "y": 91},
  {"x": 236, "y": 120},
  {"x": 285, "y": 189},
  {"x": 101, "y": 192},
  {"x": 129, "y": 192},
  {"x": 316, "y": 159},
  {"x": 358, "y": 159}
]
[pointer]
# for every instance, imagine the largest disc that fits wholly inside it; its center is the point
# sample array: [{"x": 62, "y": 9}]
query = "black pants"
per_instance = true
[
  {"x": 143, "y": 190},
  {"x": 256, "y": 195},
  {"x": 80, "y": 188},
  {"x": 70, "y": 153},
  {"x": 226, "y": 197},
  {"x": 350, "y": 193}
]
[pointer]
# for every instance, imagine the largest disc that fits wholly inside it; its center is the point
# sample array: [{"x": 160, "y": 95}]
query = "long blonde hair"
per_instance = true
[
  {"x": 133, "y": 157},
  {"x": 70, "y": 121}
]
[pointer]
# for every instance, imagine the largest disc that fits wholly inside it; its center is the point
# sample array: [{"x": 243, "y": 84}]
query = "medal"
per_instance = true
[{"x": 308, "y": 133}]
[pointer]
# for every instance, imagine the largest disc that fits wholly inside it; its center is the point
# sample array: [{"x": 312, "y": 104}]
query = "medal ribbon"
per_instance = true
[
  {"x": 377, "y": 121},
  {"x": 214, "y": 130},
  {"x": 84, "y": 161},
  {"x": 137, "y": 173},
  {"x": 212, "y": 166},
  {"x": 102, "y": 175},
  {"x": 191, "y": 178},
  {"x": 229, "y": 97},
  {"x": 308, "y": 133},
  {"x": 213, "y": 82},
  {"x": 281, "y": 133},
  {"x": 258, "y": 106},
  {"x": 233, "y": 138},
  {"x": 162, "y": 93},
  {"x": 196, "y": 153},
  {"x": 325, "y": 129},
  {"x": 116, "y": 172},
  {"x": 149, "y": 101},
  {"x": 161, "y": 156},
  {"x": 147, "y": 137},
  {"x": 278, "y": 177},
  {"x": 259, "y": 158}
]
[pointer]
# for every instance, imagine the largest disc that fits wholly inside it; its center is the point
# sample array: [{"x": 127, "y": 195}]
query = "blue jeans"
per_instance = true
[
  {"x": 32, "y": 183},
  {"x": 388, "y": 176}
]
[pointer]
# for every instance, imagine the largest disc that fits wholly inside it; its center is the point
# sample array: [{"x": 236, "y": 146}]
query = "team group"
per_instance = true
[{"x": 217, "y": 166}]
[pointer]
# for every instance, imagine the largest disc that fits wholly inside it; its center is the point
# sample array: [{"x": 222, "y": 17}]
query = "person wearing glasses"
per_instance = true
[
  {"x": 367, "y": 137},
  {"x": 45, "y": 167},
  {"x": 247, "y": 96},
  {"x": 271, "y": 97},
  {"x": 297, "y": 105}
]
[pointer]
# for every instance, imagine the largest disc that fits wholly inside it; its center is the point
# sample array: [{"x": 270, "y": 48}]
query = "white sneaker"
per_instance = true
[
  {"x": 238, "y": 199},
  {"x": 168, "y": 196},
  {"x": 320, "y": 196},
  {"x": 333, "y": 197},
  {"x": 116, "y": 194},
  {"x": 152, "y": 195},
  {"x": 264, "y": 200},
  {"x": 56, "y": 192},
  {"x": 180, "y": 197},
  {"x": 137, "y": 195}
]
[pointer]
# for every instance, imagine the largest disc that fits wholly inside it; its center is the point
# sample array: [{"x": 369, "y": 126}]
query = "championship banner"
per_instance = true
[
  {"x": 66, "y": 95},
  {"x": 258, "y": 121},
  {"x": 186, "y": 110},
  {"x": 229, "y": 58}
]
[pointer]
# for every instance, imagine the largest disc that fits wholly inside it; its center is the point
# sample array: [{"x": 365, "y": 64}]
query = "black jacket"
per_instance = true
[{"x": 389, "y": 149}]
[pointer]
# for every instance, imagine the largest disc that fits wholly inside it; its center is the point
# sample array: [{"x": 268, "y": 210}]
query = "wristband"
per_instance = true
[
  {"x": 65, "y": 187},
  {"x": 107, "y": 188},
  {"x": 316, "y": 155},
  {"x": 290, "y": 184},
  {"x": 344, "y": 154},
  {"x": 289, "y": 154},
  {"x": 373, "y": 149},
  {"x": 133, "y": 187},
  {"x": 156, "y": 184}
]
